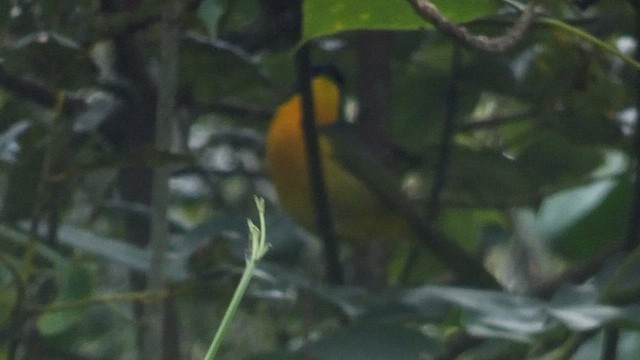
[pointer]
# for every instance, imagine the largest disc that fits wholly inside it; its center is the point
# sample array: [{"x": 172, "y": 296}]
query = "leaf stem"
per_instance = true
[{"x": 259, "y": 248}]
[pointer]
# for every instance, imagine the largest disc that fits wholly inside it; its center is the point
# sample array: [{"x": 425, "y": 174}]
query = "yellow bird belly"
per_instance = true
[{"x": 358, "y": 212}]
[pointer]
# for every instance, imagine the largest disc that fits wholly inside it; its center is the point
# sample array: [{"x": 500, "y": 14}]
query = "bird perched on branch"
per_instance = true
[
  {"x": 359, "y": 212},
  {"x": 364, "y": 195}
]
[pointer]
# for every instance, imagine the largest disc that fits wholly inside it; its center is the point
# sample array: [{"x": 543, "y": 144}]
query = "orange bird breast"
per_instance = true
[{"x": 358, "y": 212}]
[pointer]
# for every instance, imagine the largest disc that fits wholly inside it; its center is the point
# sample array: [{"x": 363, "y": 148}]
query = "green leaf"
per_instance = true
[
  {"x": 572, "y": 91},
  {"x": 578, "y": 308},
  {"x": 59, "y": 322},
  {"x": 585, "y": 317},
  {"x": 416, "y": 124},
  {"x": 210, "y": 12},
  {"x": 328, "y": 17},
  {"x": 551, "y": 160},
  {"x": 9, "y": 146},
  {"x": 628, "y": 345},
  {"x": 579, "y": 221},
  {"x": 561, "y": 211},
  {"x": 118, "y": 251},
  {"x": 375, "y": 341},
  {"x": 467, "y": 226},
  {"x": 486, "y": 313},
  {"x": 77, "y": 285},
  {"x": 214, "y": 69},
  {"x": 8, "y": 298},
  {"x": 24, "y": 177},
  {"x": 51, "y": 58},
  {"x": 495, "y": 314},
  {"x": 5, "y": 15},
  {"x": 488, "y": 178},
  {"x": 623, "y": 284}
]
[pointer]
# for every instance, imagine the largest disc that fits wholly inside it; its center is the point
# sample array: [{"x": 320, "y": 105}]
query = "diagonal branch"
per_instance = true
[
  {"x": 38, "y": 93},
  {"x": 443, "y": 163},
  {"x": 324, "y": 217},
  {"x": 430, "y": 13}
]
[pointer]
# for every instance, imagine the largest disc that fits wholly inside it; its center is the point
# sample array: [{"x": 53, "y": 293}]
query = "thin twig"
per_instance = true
[
  {"x": 444, "y": 155},
  {"x": 55, "y": 161},
  {"x": 591, "y": 39},
  {"x": 446, "y": 144},
  {"x": 469, "y": 270}
]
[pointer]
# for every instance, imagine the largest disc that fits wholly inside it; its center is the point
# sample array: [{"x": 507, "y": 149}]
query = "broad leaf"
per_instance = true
[
  {"x": 374, "y": 341},
  {"x": 579, "y": 221},
  {"x": 328, "y": 17}
]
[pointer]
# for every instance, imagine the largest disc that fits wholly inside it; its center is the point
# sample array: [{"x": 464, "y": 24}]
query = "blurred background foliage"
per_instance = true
[{"x": 539, "y": 187}]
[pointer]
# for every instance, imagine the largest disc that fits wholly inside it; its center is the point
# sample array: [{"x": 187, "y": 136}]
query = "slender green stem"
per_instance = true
[
  {"x": 591, "y": 39},
  {"x": 581, "y": 34},
  {"x": 231, "y": 310},
  {"x": 259, "y": 247}
]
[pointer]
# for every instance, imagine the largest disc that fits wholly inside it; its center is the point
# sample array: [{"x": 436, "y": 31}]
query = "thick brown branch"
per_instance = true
[{"x": 430, "y": 13}]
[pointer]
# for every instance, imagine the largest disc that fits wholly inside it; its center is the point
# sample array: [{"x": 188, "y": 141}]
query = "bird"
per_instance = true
[
  {"x": 360, "y": 214},
  {"x": 368, "y": 205}
]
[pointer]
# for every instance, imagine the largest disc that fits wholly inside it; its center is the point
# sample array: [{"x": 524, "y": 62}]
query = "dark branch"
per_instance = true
[
  {"x": 324, "y": 218},
  {"x": 371, "y": 171},
  {"x": 446, "y": 143},
  {"x": 430, "y": 13},
  {"x": 38, "y": 93},
  {"x": 444, "y": 155}
]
